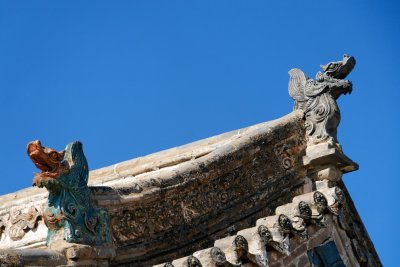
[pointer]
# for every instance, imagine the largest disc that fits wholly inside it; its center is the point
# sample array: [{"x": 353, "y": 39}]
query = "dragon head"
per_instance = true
[
  {"x": 44, "y": 158},
  {"x": 65, "y": 168},
  {"x": 49, "y": 161},
  {"x": 339, "y": 69}
]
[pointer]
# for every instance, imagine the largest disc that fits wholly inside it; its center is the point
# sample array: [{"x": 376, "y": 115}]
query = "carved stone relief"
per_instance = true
[
  {"x": 288, "y": 151},
  {"x": 22, "y": 222},
  {"x": 237, "y": 181},
  {"x": 253, "y": 245},
  {"x": 317, "y": 98},
  {"x": 185, "y": 207}
]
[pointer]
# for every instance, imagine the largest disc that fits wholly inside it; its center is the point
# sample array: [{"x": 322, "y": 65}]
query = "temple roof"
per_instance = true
[{"x": 200, "y": 198}]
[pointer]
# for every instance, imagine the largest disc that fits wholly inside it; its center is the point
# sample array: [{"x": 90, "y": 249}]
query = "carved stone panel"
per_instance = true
[
  {"x": 22, "y": 222},
  {"x": 230, "y": 191}
]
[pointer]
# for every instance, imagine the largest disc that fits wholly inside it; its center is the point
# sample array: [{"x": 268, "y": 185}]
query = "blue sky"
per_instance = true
[{"x": 129, "y": 78}]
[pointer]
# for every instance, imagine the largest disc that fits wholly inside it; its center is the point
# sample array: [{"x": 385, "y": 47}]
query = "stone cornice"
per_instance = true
[{"x": 150, "y": 165}]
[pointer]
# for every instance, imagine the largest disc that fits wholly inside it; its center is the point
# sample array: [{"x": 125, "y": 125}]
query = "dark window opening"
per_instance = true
[{"x": 325, "y": 255}]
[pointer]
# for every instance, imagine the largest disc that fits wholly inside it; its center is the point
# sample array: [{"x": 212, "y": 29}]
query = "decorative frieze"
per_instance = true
[
  {"x": 287, "y": 151},
  {"x": 274, "y": 231}
]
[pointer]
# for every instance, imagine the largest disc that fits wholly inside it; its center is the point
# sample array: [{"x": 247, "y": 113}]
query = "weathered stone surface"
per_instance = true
[
  {"x": 222, "y": 190},
  {"x": 31, "y": 257},
  {"x": 22, "y": 222},
  {"x": 253, "y": 245},
  {"x": 325, "y": 155}
]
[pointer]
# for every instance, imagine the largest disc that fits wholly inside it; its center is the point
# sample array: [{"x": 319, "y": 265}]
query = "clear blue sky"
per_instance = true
[{"x": 129, "y": 78}]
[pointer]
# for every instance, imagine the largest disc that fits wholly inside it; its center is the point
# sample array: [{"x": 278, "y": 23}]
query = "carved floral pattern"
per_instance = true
[
  {"x": 209, "y": 198},
  {"x": 288, "y": 151},
  {"x": 22, "y": 222},
  {"x": 205, "y": 193}
]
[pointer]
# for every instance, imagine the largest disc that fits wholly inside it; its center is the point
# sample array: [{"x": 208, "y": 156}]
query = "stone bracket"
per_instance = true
[{"x": 327, "y": 154}]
